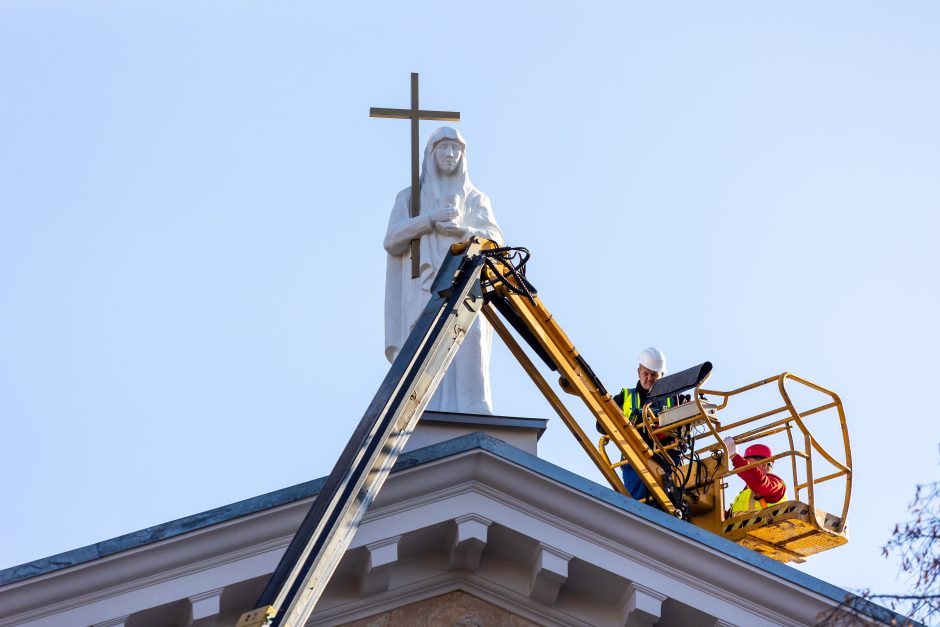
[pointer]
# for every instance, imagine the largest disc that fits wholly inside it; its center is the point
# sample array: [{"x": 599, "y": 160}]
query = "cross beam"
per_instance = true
[{"x": 414, "y": 114}]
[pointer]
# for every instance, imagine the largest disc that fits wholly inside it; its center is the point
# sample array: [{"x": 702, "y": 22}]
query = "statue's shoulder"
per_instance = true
[
  {"x": 477, "y": 198},
  {"x": 402, "y": 200}
]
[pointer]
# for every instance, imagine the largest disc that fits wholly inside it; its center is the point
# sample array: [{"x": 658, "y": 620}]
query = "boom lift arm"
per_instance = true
[{"x": 480, "y": 277}]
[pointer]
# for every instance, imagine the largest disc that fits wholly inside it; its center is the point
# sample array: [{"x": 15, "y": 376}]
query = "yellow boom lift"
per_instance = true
[{"x": 481, "y": 277}]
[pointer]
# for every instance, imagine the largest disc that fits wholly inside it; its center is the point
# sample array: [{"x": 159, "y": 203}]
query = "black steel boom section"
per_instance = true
[{"x": 329, "y": 527}]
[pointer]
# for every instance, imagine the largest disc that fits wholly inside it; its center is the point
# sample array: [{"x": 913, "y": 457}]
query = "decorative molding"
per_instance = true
[
  {"x": 549, "y": 572},
  {"x": 84, "y": 571},
  {"x": 602, "y": 536},
  {"x": 678, "y": 570},
  {"x": 206, "y": 604},
  {"x": 377, "y": 567},
  {"x": 468, "y": 543},
  {"x": 383, "y": 552},
  {"x": 641, "y": 607}
]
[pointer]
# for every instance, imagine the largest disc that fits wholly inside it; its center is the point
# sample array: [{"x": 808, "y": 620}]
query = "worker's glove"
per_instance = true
[
  {"x": 731, "y": 446},
  {"x": 684, "y": 398}
]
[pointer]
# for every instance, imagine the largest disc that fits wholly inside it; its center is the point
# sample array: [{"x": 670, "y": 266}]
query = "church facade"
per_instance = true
[{"x": 471, "y": 528}]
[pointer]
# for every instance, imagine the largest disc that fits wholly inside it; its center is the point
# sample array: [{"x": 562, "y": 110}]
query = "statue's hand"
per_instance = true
[
  {"x": 444, "y": 214},
  {"x": 451, "y": 229}
]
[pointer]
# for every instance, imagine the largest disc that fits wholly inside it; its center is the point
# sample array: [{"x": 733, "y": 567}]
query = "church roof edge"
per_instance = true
[{"x": 419, "y": 457}]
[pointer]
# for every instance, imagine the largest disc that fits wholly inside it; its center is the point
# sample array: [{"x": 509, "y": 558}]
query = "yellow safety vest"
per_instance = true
[
  {"x": 746, "y": 502},
  {"x": 631, "y": 403}
]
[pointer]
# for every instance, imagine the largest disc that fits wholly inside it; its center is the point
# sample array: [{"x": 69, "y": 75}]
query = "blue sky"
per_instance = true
[{"x": 193, "y": 200}]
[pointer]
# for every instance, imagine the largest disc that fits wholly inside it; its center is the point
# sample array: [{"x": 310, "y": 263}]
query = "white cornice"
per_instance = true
[{"x": 620, "y": 545}]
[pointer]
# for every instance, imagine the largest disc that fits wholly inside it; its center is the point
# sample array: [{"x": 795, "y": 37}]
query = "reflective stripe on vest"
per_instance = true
[
  {"x": 631, "y": 403},
  {"x": 746, "y": 502}
]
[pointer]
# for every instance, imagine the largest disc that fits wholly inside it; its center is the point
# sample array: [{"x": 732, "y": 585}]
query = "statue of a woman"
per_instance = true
[{"x": 452, "y": 210}]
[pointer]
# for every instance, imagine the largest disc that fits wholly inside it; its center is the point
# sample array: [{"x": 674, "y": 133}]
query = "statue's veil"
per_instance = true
[{"x": 434, "y": 186}]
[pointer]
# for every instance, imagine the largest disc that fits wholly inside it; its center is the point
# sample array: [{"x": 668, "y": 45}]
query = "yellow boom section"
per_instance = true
[
  {"x": 775, "y": 410},
  {"x": 541, "y": 326}
]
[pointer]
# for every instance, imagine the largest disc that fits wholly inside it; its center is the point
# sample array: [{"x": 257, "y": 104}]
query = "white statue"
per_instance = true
[{"x": 452, "y": 210}]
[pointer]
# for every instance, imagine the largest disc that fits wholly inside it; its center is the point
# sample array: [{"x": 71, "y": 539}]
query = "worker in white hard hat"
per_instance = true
[{"x": 652, "y": 367}]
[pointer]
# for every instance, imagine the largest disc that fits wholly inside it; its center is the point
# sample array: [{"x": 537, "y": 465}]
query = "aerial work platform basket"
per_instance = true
[{"x": 786, "y": 531}]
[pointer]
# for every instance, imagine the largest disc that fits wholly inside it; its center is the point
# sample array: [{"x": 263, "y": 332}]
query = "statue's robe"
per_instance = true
[{"x": 466, "y": 385}]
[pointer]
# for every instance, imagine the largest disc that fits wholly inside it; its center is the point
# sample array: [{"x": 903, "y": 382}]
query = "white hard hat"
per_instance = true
[{"x": 653, "y": 359}]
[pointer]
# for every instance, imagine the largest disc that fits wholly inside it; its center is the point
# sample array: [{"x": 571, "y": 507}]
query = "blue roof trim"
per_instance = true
[
  {"x": 483, "y": 421},
  {"x": 442, "y": 450}
]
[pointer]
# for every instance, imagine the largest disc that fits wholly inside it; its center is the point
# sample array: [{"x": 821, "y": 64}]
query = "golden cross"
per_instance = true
[{"x": 414, "y": 114}]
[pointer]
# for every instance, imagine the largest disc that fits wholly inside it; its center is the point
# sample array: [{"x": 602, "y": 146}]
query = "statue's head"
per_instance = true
[
  {"x": 446, "y": 146},
  {"x": 447, "y": 154}
]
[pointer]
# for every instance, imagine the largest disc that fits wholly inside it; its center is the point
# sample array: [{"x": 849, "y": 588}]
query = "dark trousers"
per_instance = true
[{"x": 633, "y": 483}]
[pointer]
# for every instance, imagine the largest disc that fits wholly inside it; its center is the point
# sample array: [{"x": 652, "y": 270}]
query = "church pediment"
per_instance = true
[{"x": 472, "y": 519}]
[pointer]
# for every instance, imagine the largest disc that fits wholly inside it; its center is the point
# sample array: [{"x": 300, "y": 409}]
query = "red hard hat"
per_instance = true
[{"x": 758, "y": 450}]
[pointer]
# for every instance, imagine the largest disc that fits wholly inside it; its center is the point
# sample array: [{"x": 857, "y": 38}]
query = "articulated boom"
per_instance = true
[
  {"x": 481, "y": 277},
  {"x": 678, "y": 453}
]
